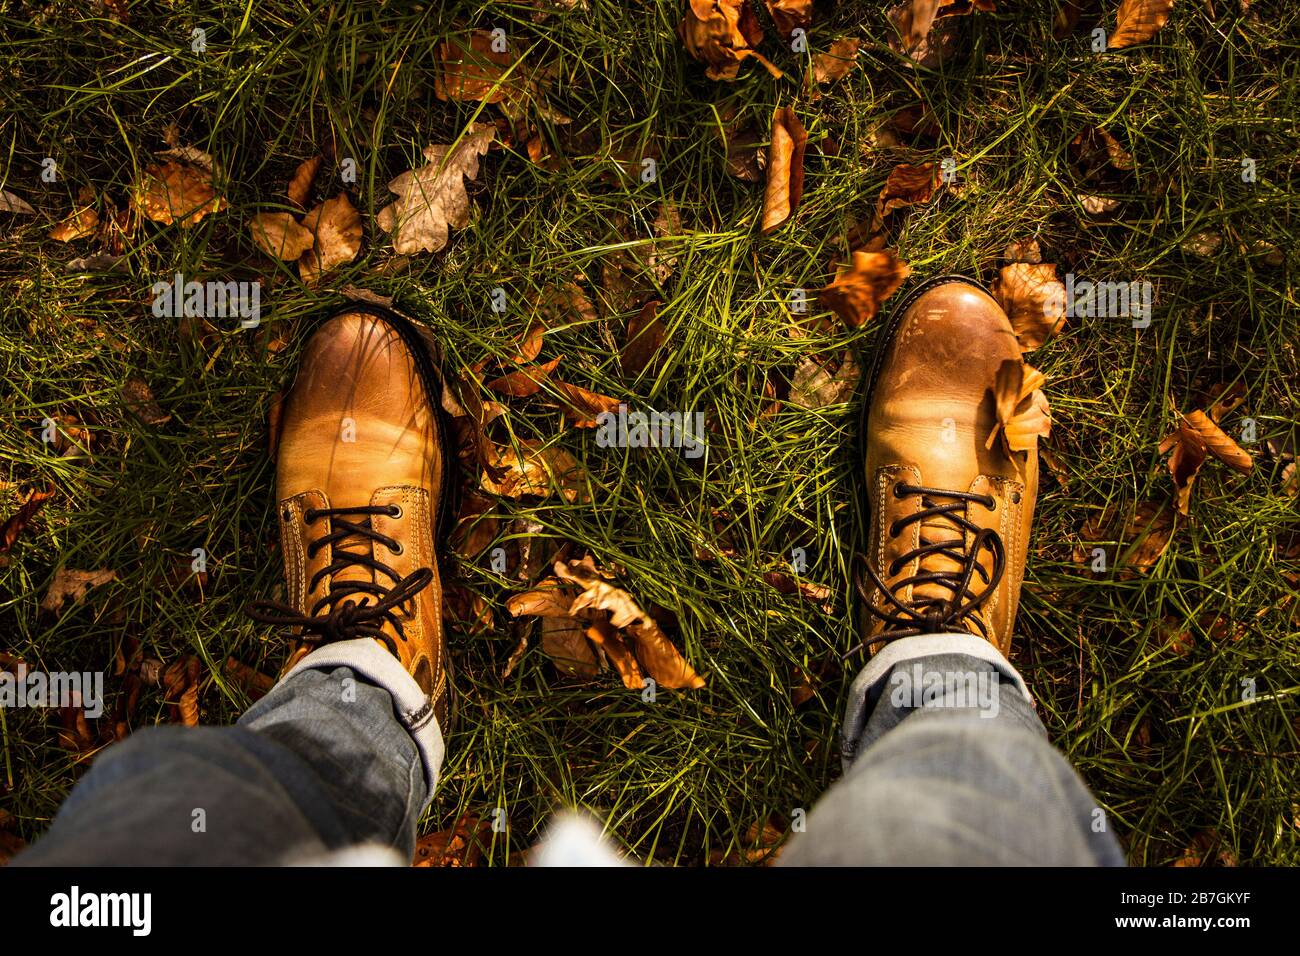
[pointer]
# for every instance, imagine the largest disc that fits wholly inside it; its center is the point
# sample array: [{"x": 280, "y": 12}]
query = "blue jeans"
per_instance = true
[{"x": 945, "y": 763}]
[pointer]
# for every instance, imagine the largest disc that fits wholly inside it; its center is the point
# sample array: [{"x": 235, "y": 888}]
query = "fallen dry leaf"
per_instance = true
[
  {"x": 279, "y": 235},
  {"x": 1185, "y": 463},
  {"x": 805, "y": 589},
  {"x": 721, "y": 34},
  {"x": 1218, "y": 443},
  {"x": 918, "y": 32},
  {"x": 1147, "y": 535},
  {"x": 565, "y": 304},
  {"x": 1097, "y": 205},
  {"x": 72, "y": 585},
  {"x": 1033, "y": 299},
  {"x": 176, "y": 192},
  {"x": 526, "y": 381},
  {"x": 1203, "y": 244},
  {"x": 474, "y": 71},
  {"x": 476, "y": 525},
  {"x": 1023, "y": 250},
  {"x": 907, "y": 186},
  {"x": 790, "y": 15},
  {"x": 79, "y": 224},
  {"x": 532, "y": 469},
  {"x": 1138, "y": 21},
  {"x": 741, "y": 137},
  {"x": 17, "y": 522},
  {"x": 784, "y": 168},
  {"x": 460, "y": 846},
  {"x": 1095, "y": 149},
  {"x": 815, "y": 385},
  {"x": 645, "y": 336},
  {"x": 139, "y": 399},
  {"x": 299, "y": 187},
  {"x": 14, "y": 204},
  {"x": 336, "y": 226},
  {"x": 565, "y": 642},
  {"x": 530, "y": 345},
  {"x": 1197, "y": 436},
  {"x": 1022, "y": 411},
  {"x": 548, "y": 599},
  {"x": 837, "y": 62},
  {"x": 581, "y": 405},
  {"x": 605, "y": 636},
  {"x": 432, "y": 198},
  {"x": 654, "y": 651},
  {"x": 857, "y": 292}
]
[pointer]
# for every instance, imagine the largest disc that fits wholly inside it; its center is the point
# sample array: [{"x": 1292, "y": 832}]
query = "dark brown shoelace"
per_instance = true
[
  {"x": 933, "y": 615},
  {"x": 347, "y": 618}
]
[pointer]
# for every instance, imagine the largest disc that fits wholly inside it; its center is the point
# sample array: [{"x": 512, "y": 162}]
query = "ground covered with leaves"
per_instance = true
[{"x": 643, "y": 204}]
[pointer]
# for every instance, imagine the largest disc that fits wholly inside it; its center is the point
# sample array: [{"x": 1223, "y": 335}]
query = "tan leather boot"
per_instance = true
[
  {"x": 948, "y": 518},
  {"x": 361, "y": 481}
]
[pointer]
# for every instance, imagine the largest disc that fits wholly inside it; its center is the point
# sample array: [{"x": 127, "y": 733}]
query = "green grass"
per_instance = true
[{"x": 1164, "y": 739}]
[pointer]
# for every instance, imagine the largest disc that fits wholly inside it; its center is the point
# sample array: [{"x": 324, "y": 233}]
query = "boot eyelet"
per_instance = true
[
  {"x": 287, "y": 515},
  {"x": 398, "y": 549},
  {"x": 395, "y": 511},
  {"x": 898, "y": 489},
  {"x": 1015, "y": 497},
  {"x": 993, "y": 504}
]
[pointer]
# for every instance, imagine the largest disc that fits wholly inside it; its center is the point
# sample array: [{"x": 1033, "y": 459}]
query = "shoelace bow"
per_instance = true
[
  {"x": 348, "y": 619},
  {"x": 932, "y": 615}
]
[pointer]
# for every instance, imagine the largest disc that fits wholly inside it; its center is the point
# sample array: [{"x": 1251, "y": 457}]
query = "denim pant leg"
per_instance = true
[
  {"x": 946, "y": 764},
  {"x": 343, "y": 751}
]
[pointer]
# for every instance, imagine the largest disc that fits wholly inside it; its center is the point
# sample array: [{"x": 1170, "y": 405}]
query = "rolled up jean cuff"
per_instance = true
[
  {"x": 862, "y": 695},
  {"x": 368, "y": 659}
]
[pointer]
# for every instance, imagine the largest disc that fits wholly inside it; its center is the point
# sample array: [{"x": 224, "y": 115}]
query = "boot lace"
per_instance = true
[
  {"x": 934, "y": 614},
  {"x": 347, "y": 618}
]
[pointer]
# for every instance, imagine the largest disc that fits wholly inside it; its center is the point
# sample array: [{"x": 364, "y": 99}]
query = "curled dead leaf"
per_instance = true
[
  {"x": 1218, "y": 443},
  {"x": 17, "y": 522},
  {"x": 645, "y": 336},
  {"x": 176, "y": 192},
  {"x": 78, "y": 224},
  {"x": 336, "y": 226},
  {"x": 525, "y": 381},
  {"x": 1138, "y": 21},
  {"x": 857, "y": 292},
  {"x": 1033, "y": 299},
  {"x": 299, "y": 187},
  {"x": 582, "y": 406},
  {"x": 837, "y": 62},
  {"x": 790, "y": 15},
  {"x": 532, "y": 469},
  {"x": 1022, "y": 411},
  {"x": 605, "y": 636},
  {"x": 784, "y": 168},
  {"x": 473, "y": 70},
  {"x": 907, "y": 186},
  {"x": 280, "y": 236},
  {"x": 721, "y": 34},
  {"x": 816, "y": 385},
  {"x": 655, "y": 652},
  {"x": 139, "y": 399}
]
